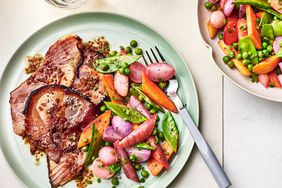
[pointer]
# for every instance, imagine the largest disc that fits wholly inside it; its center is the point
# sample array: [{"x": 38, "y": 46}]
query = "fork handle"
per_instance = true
[{"x": 206, "y": 151}]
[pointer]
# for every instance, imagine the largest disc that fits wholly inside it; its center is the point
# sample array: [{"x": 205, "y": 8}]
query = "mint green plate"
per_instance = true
[{"x": 118, "y": 30}]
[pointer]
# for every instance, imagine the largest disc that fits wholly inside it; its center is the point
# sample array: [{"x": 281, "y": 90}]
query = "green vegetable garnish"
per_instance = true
[
  {"x": 95, "y": 144},
  {"x": 115, "y": 168},
  {"x": 126, "y": 113},
  {"x": 247, "y": 45},
  {"x": 144, "y": 174},
  {"x": 144, "y": 145},
  {"x": 208, "y": 5},
  {"x": 113, "y": 64},
  {"x": 170, "y": 130},
  {"x": 133, "y": 43},
  {"x": 138, "y": 51}
]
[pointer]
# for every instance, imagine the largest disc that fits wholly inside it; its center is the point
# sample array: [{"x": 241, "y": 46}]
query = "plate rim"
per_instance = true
[
  {"x": 211, "y": 51},
  {"x": 46, "y": 26}
]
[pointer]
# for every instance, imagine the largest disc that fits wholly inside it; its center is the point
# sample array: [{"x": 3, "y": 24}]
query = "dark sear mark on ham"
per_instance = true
[{"x": 56, "y": 102}]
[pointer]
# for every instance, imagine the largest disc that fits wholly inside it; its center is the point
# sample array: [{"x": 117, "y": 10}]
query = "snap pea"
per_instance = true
[
  {"x": 170, "y": 130},
  {"x": 267, "y": 31},
  {"x": 95, "y": 144},
  {"x": 147, "y": 99},
  {"x": 277, "y": 28},
  {"x": 113, "y": 64},
  {"x": 126, "y": 113},
  {"x": 247, "y": 45},
  {"x": 258, "y": 3},
  {"x": 144, "y": 145},
  {"x": 266, "y": 19}
]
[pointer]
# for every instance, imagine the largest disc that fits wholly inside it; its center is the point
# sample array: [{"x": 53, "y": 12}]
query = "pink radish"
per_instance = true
[
  {"x": 110, "y": 135},
  {"x": 100, "y": 170},
  {"x": 121, "y": 84},
  {"x": 140, "y": 107},
  {"x": 141, "y": 154},
  {"x": 159, "y": 72},
  {"x": 136, "y": 72},
  {"x": 228, "y": 7},
  {"x": 264, "y": 80},
  {"x": 122, "y": 128},
  {"x": 217, "y": 19},
  {"x": 276, "y": 44},
  {"x": 108, "y": 155}
]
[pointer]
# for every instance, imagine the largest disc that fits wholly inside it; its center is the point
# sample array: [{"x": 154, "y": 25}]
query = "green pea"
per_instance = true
[
  {"x": 230, "y": 64},
  {"x": 161, "y": 135},
  {"x": 121, "y": 70},
  {"x": 269, "y": 48},
  {"x": 153, "y": 111},
  {"x": 125, "y": 65},
  {"x": 235, "y": 45},
  {"x": 246, "y": 61},
  {"x": 265, "y": 52},
  {"x": 141, "y": 186},
  {"x": 132, "y": 158},
  {"x": 133, "y": 43},
  {"x": 127, "y": 71},
  {"x": 239, "y": 56},
  {"x": 142, "y": 180},
  {"x": 103, "y": 108},
  {"x": 85, "y": 148},
  {"x": 260, "y": 54},
  {"x": 208, "y": 5},
  {"x": 155, "y": 131},
  {"x": 250, "y": 67},
  {"x": 137, "y": 166},
  {"x": 112, "y": 53},
  {"x": 144, "y": 174},
  {"x": 250, "y": 54},
  {"x": 107, "y": 143},
  {"x": 141, "y": 98},
  {"x": 138, "y": 51},
  {"x": 104, "y": 66},
  {"x": 85, "y": 140},
  {"x": 231, "y": 54},
  {"x": 162, "y": 85},
  {"x": 115, "y": 181},
  {"x": 148, "y": 106},
  {"x": 98, "y": 180},
  {"x": 220, "y": 36},
  {"x": 245, "y": 55},
  {"x": 226, "y": 59},
  {"x": 114, "y": 186},
  {"x": 264, "y": 45},
  {"x": 128, "y": 49}
]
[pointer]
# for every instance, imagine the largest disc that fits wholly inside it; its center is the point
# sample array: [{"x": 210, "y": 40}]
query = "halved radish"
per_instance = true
[
  {"x": 136, "y": 72},
  {"x": 121, "y": 84},
  {"x": 108, "y": 155},
  {"x": 264, "y": 80},
  {"x": 159, "y": 72},
  {"x": 100, "y": 170}
]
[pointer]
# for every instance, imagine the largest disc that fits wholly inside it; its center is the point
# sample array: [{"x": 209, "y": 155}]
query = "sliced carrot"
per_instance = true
[
  {"x": 274, "y": 79},
  {"x": 109, "y": 83},
  {"x": 156, "y": 94},
  {"x": 212, "y": 30},
  {"x": 252, "y": 27},
  {"x": 154, "y": 166},
  {"x": 238, "y": 64},
  {"x": 266, "y": 65},
  {"x": 242, "y": 28},
  {"x": 101, "y": 123}
]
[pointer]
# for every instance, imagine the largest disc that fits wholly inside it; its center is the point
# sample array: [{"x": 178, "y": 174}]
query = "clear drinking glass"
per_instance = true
[{"x": 68, "y": 4}]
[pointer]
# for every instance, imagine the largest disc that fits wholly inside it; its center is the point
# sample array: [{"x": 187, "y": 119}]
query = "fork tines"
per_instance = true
[{"x": 155, "y": 57}]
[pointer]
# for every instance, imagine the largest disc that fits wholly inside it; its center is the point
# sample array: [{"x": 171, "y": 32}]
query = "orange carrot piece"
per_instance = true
[
  {"x": 252, "y": 27},
  {"x": 156, "y": 94},
  {"x": 266, "y": 65},
  {"x": 238, "y": 64},
  {"x": 154, "y": 166},
  {"x": 212, "y": 30},
  {"x": 242, "y": 28},
  {"x": 109, "y": 83},
  {"x": 259, "y": 14},
  {"x": 101, "y": 123}
]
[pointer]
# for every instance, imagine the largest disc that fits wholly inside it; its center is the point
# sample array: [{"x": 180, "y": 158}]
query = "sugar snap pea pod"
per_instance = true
[
  {"x": 126, "y": 113},
  {"x": 147, "y": 99},
  {"x": 144, "y": 145},
  {"x": 170, "y": 130},
  {"x": 270, "y": 11},
  {"x": 266, "y": 19},
  {"x": 95, "y": 144},
  {"x": 267, "y": 31},
  {"x": 247, "y": 45},
  {"x": 257, "y": 3},
  {"x": 112, "y": 64}
]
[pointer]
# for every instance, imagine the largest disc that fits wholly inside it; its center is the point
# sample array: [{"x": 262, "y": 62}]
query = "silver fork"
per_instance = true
[{"x": 204, "y": 148}]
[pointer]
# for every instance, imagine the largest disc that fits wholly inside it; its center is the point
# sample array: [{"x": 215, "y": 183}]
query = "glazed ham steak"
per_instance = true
[
  {"x": 56, "y": 102},
  {"x": 59, "y": 67}
]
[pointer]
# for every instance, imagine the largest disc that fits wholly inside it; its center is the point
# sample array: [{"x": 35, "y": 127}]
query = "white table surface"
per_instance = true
[{"x": 242, "y": 129}]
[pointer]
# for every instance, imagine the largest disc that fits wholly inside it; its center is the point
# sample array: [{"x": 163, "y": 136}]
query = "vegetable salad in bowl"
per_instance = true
[{"x": 250, "y": 34}]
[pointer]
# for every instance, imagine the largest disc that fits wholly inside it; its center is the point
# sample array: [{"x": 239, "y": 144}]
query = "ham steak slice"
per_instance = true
[{"x": 59, "y": 67}]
